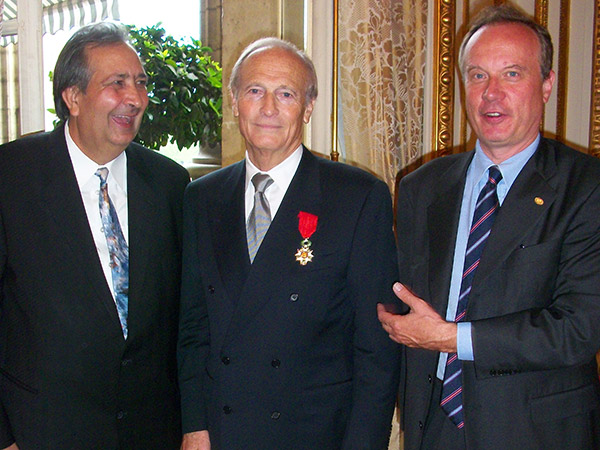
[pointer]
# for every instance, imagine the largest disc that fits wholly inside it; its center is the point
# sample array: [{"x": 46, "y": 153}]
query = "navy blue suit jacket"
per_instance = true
[{"x": 277, "y": 354}]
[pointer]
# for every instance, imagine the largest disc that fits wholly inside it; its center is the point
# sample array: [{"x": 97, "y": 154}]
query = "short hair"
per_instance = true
[
  {"x": 72, "y": 67},
  {"x": 272, "y": 42},
  {"x": 495, "y": 15}
]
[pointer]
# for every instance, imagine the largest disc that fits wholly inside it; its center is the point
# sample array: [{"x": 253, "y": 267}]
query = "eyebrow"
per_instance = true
[{"x": 126, "y": 75}]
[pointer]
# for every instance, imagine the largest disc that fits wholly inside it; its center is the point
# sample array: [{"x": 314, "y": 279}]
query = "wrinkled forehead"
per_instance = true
[{"x": 274, "y": 64}]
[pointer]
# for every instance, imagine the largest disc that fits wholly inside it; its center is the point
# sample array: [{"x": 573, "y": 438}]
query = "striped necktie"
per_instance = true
[
  {"x": 260, "y": 216},
  {"x": 486, "y": 210},
  {"x": 117, "y": 249}
]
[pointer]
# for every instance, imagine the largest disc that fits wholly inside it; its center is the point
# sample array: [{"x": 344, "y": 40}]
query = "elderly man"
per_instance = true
[
  {"x": 285, "y": 258},
  {"x": 501, "y": 251},
  {"x": 90, "y": 246}
]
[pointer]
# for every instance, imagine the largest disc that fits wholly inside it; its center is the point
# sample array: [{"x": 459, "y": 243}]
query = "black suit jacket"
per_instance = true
[
  {"x": 534, "y": 304},
  {"x": 275, "y": 354},
  {"x": 68, "y": 379}
]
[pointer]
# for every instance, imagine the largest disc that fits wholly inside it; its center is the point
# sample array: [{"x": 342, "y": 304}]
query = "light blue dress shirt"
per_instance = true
[{"x": 477, "y": 176}]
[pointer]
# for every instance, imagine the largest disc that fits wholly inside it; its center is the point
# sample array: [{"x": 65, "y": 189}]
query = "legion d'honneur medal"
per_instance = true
[{"x": 307, "y": 224}]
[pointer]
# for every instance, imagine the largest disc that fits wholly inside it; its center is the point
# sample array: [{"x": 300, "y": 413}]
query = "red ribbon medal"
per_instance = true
[{"x": 307, "y": 224}]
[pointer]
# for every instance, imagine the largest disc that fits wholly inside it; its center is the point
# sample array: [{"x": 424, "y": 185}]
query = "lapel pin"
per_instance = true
[{"x": 538, "y": 201}]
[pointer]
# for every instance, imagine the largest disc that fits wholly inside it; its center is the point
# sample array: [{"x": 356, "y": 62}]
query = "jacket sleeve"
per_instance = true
[
  {"x": 6, "y": 437},
  {"x": 558, "y": 279},
  {"x": 193, "y": 342},
  {"x": 372, "y": 271}
]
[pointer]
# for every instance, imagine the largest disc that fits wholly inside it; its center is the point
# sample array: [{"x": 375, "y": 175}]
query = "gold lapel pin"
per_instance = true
[{"x": 538, "y": 201}]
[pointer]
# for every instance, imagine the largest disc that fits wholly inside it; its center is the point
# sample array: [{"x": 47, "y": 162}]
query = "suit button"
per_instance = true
[
  {"x": 275, "y": 363},
  {"x": 227, "y": 409},
  {"x": 211, "y": 289},
  {"x": 225, "y": 360},
  {"x": 121, "y": 415},
  {"x": 493, "y": 372},
  {"x": 294, "y": 297},
  {"x": 275, "y": 415},
  {"x": 125, "y": 362},
  {"x": 429, "y": 378},
  {"x": 420, "y": 425}
]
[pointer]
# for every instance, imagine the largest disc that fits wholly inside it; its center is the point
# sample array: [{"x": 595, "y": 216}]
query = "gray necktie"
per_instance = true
[{"x": 260, "y": 216}]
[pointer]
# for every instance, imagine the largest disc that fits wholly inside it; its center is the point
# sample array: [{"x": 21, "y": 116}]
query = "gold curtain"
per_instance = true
[{"x": 381, "y": 63}]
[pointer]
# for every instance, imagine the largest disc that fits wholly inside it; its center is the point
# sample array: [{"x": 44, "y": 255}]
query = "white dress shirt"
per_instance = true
[
  {"x": 89, "y": 187},
  {"x": 281, "y": 174}
]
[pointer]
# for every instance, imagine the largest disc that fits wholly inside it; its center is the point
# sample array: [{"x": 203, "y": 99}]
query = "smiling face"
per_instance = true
[
  {"x": 505, "y": 93},
  {"x": 105, "y": 118},
  {"x": 270, "y": 105}
]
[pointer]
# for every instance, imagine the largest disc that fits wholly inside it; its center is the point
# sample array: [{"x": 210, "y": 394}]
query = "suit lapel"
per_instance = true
[
  {"x": 280, "y": 243},
  {"x": 61, "y": 198},
  {"x": 142, "y": 220},
  {"x": 519, "y": 207},
  {"x": 226, "y": 214},
  {"x": 443, "y": 216}
]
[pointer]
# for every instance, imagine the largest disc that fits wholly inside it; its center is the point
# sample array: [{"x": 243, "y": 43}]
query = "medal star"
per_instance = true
[{"x": 304, "y": 256}]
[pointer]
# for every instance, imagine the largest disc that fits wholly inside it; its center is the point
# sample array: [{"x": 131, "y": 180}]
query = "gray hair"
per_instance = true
[
  {"x": 272, "y": 42},
  {"x": 72, "y": 67},
  {"x": 494, "y": 15}
]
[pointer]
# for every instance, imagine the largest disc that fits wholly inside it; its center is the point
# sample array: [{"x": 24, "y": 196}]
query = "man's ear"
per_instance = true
[
  {"x": 308, "y": 111},
  {"x": 234, "y": 105},
  {"x": 71, "y": 96}
]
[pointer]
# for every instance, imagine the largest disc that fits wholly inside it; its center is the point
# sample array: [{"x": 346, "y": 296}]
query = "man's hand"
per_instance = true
[
  {"x": 198, "y": 440},
  {"x": 12, "y": 447},
  {"x": 422, "y": 327}
]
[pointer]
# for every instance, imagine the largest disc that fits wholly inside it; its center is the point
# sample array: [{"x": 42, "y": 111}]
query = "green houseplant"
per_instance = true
[{"x": 184, "y": 89}]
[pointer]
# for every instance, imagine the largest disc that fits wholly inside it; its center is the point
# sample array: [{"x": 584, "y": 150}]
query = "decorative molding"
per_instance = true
[
  {"x": 563, "y": 73},
  {"x": 594, "y": 145},
  {"x": 463, "y": 115},
  {"x": 443, "y": 77},
  {"x": 541, "y": 12},
  {"x": 334, "y": 92},
  {"x": 541, "y": 16}
]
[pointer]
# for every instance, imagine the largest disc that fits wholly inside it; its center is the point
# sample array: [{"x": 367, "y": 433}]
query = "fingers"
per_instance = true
[{"x": 384, "y": 317}]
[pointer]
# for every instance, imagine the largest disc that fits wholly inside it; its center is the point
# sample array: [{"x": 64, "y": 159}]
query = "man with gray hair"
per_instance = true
[
  {"x": 90, "y": 246},
  {"x": 285, "y": 258}
]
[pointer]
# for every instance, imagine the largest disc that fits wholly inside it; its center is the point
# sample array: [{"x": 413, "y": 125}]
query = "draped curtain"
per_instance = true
[{"x": 381, "y": 58}]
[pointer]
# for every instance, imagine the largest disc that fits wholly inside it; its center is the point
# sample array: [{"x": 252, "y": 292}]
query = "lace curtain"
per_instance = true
[{"x": 380, "y": 92}]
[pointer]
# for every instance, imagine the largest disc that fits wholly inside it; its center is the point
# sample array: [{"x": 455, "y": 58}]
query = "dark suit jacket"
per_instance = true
[
  {"x": 68, "y": 379},
  {"x": 278, "y": 355},
  {"x": 534, "y": 304}
]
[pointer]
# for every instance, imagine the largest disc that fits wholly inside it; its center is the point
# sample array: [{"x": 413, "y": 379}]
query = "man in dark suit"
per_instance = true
[
  {"x": 279, "y": 342},
  {"x": 76, "y": 370},
  {"x": 525, "y": 374}
]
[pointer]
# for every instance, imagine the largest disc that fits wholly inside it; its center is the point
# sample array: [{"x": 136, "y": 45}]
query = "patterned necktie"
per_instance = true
[
  {"x": 260, "y": 216},
  {"x": 486, "y": 210},
  {"x": 117, "y": 248}
]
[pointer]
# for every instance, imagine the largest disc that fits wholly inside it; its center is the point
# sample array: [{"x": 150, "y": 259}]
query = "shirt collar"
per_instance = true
[
  {"x": 85, "y": 168},
  {"x": 281, "y": 174},
  {"x": 510, "y": 168}
]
